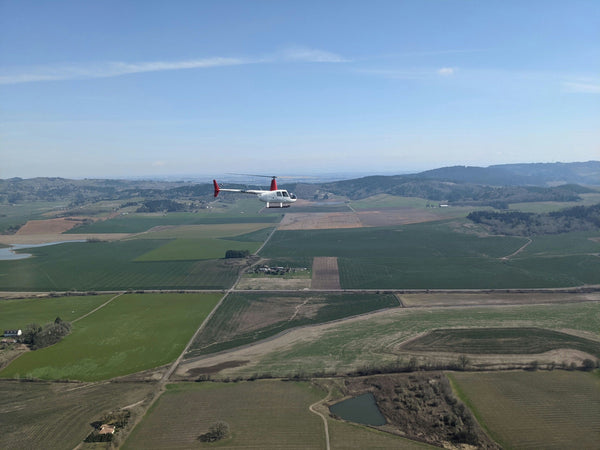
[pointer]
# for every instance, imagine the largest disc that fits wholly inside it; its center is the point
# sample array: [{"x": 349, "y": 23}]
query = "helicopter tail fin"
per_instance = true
[{"x": 216, "y": 186}]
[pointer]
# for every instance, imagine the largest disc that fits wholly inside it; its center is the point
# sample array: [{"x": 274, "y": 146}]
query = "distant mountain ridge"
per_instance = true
[
  {"x": 494, "y": 186},
  {"x": 526, "y": 174}
]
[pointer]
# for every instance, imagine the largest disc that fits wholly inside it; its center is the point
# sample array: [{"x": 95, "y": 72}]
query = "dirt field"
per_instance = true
[
  {"x": 531, "y": 410},
  {"x": 261, "y": 415},
  {"x": 383, "y": 218},
  {"x": 319, "y": 221},
  {"x": 374, "y": 218},
  {"x": 274, "y": 283},
  {"x": 325, "y": 273},
  {"x": 491, "y": 298},
  {"x": 376, "y": 338},
  {"x": 49, "y": 226},
  {"x": 58, "y": 415}
]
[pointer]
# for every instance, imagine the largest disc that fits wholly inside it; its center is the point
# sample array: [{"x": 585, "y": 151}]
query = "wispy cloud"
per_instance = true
[
  {"x": 409, "y": 74},
  {"x": 115, "y": 69},
  {"x": 303, "y": 54},
  {"x": 581, "y": 88},
  {"x": 446, "y": 71},
  {"x": 111, "y": 69}
]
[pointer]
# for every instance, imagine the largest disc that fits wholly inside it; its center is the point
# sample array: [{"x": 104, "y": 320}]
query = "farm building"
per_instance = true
[
  {"x": 12, "y": 333},
  {"x": 107, "y": 429}
]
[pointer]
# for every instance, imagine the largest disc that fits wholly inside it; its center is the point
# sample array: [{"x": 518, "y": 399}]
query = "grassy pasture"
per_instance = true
[
  {"x": 435, "y": 256},
  {"x": 346, "y": 435},
  {"x": 500, "y": 340},
  {"x": 544, "y": 207},
  {"x": 389, "y": 201},
  {"x": 467, "y": 273},
  {"x": 561, "y": 245},
  {"x": 21, "y": 312},
  {"x": 377, "y": 340},
  {"x": 19, "y": 214},
  {"x": 261, "y": 414},
  {"x": 58, "y": 415},
  {"x": 244, "y": 318},
  {"x": 210, "y": 231},
  {"x": 137, "y": 223},
  {"x": 534, "y": 410},
  {"x": 412, "y": 241},
  {"x": 134, "y": 332},
  {"x": 110, "y": 266},
  {"x": 196, "y": 249}
]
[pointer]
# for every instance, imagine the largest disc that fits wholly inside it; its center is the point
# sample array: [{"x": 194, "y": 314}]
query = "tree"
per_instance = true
[
  {"x": 463, "y": 362},
  {"x": 588, "y": 364},
  {"x": 217, "y": 431}
]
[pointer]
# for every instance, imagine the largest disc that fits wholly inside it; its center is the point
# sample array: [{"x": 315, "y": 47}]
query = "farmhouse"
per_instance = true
[
  {"x": 12, "y": 333},
  {"x": 107, "y": 429}
]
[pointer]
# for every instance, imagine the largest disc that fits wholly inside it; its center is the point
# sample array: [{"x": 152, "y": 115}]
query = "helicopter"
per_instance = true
[{"x": 274, "y": 198}]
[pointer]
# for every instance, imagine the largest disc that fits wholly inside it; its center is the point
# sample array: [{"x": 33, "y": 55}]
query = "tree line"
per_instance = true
[
  {"x": 516, "y": 223},
  {"x": 38, "y": 336}
]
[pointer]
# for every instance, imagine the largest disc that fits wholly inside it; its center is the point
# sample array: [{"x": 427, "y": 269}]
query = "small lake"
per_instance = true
[
  {"x": 362, "y": 409},
  {"x": 9, "y": 254}
]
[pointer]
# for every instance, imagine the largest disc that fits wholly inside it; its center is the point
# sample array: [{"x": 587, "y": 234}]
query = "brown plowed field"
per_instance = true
[
  {"x": 48, "y": 226},
  {"x": 404, "y": 216},
  {"x": 325, "y": 273},
  {"x": 319, "y": 221}
]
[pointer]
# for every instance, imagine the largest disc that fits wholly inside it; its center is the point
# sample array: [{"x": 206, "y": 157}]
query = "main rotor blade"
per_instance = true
[{"x": 252, "y": 175}]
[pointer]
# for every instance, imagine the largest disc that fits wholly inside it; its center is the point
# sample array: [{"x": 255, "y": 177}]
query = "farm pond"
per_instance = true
[{"x": 362, "y": 409}]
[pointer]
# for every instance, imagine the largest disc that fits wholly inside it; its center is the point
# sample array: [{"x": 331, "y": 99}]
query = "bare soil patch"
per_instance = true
[
  {"x": 319, "y": 221},
  {"x": 49, "y": 226},
  {"x": 216, "y": 368},
  {"x": 273, "y": 310},
  {"x": 492, "y": 298},
  {"x": 274, "y": 283},
  {"x": 404, "y": 216},
  {"x": 325, "y": 273}
]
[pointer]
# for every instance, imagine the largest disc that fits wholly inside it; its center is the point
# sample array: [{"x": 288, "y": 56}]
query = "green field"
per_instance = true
[
  {"x": 137, "y": 223},
  {"x": 501, "y": 340},
  {"x": 110, "y": 266},
  {"x": 19, "y": 214},
  {"x": 375, "y": 341},
  {"x": 261, "y": 414},
  {"x": 196, "y": 249},
  {"x": 19, "y": 313},
  {"x": 532, "y": 410},
  {"x": 247, "y": 231},
  {"x": 58, "y": 415},
  {"x": 436, "y": 256},
  {"x": 346, "y": 435},
  {"x": 245, "y": 318},
  {"x": 133, "y": 333}
]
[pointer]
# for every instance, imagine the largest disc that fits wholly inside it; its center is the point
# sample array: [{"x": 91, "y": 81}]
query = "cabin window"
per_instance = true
[
  {"x": 285, "y": 193},
  {"x": 278, "y": 194}
]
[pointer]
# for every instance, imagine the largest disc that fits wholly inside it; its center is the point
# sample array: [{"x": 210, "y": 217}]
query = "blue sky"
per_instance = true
[{"x": 143, "y": 88}]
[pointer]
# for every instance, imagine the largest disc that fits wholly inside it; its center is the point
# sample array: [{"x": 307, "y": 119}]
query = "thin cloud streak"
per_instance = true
[
  {"x": 302, "y": 54},
  {"x": 115, "y": 69},
  {"x": 581, "y": 88}
]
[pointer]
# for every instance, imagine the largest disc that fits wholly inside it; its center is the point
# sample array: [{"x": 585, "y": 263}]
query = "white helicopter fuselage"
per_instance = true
[{"x": 276, "y": 198}]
